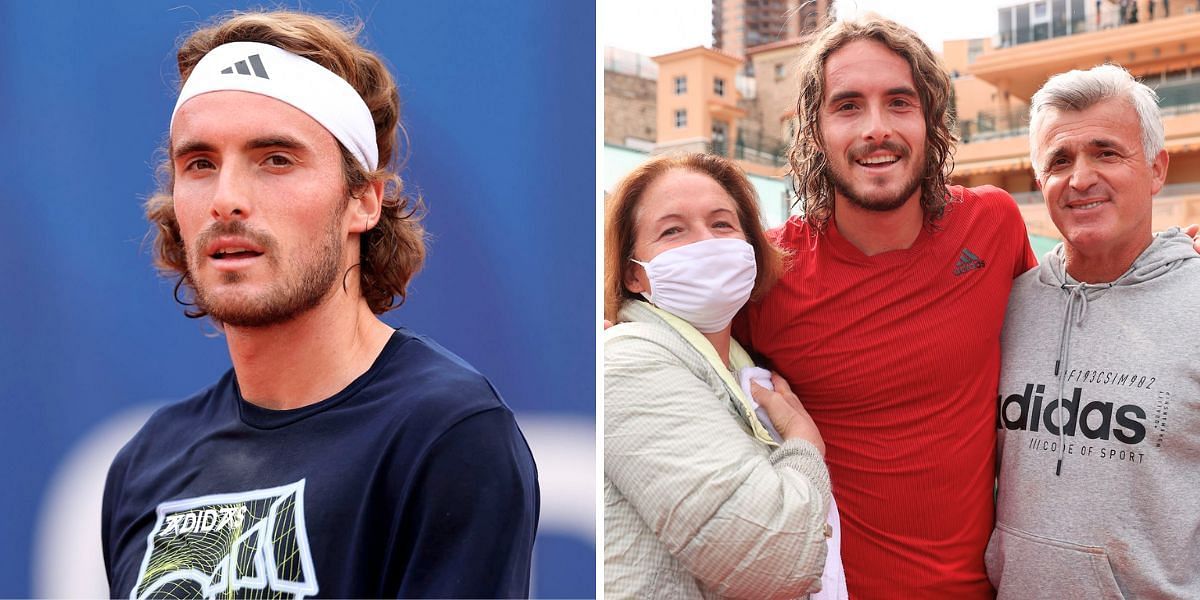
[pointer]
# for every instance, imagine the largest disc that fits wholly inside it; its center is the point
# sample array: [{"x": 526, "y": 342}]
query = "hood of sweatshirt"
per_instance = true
[{"x": 1165, "y": 253}]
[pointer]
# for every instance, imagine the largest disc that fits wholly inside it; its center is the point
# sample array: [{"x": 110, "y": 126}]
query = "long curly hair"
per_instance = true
[
  {"x": 393, "y": 251},
  {"x": 811, "y": 179}
]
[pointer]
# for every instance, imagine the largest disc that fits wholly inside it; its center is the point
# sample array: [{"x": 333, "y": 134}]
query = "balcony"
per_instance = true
[
  {"x": 990, "y": 125},
  {"x": 1175, "y": 98},
  {"x": 761, "y": 149}
]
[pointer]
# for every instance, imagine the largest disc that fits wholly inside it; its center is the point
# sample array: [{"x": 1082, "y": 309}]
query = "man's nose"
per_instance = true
[
  {"x": 1083, "y": 175},
  {"x": 878, "y": 126},
  {"x": 231, "y": 199}
]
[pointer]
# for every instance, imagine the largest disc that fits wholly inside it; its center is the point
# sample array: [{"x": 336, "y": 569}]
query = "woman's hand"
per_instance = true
[{"x": 786, "y": 412}]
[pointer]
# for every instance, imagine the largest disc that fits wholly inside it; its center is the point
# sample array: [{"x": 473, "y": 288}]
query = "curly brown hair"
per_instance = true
[
  {"x": 393, "y": 251},
  {"x": 621, "y": 219},
  {"x": 811, "y": 179}
]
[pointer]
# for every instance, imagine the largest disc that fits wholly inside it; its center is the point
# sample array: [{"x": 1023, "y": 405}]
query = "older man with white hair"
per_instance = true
[{"x": 1099, "y": 432}]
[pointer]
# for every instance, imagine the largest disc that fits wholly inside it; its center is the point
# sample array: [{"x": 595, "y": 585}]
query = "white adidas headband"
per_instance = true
[{"x": 275, "y": 72}]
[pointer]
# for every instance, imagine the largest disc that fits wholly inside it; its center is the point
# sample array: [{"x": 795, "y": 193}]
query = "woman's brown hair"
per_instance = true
[{"x": 620, "y": 221}]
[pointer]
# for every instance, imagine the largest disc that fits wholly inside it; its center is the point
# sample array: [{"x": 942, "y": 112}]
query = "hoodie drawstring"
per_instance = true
[{"x": 1074, "y": 293}]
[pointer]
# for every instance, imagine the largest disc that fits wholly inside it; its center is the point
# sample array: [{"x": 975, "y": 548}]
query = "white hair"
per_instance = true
[{"x": 1079, "y": 90}]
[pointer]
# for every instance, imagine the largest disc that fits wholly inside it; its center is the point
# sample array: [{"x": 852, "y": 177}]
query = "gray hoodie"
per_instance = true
[{"x": 1109, "y": 505}]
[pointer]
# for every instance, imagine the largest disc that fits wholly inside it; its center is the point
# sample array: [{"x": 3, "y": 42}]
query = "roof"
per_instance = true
[
  {"x": 714, "y": 52},
  {"x": 788, "y": 43}
]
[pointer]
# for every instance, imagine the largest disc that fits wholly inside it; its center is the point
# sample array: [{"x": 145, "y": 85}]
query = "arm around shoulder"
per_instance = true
[{"x": 744, "y": 520}]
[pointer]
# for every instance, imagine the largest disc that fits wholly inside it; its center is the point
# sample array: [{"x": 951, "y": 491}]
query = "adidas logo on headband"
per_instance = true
[{"x": 242, "y": 69}]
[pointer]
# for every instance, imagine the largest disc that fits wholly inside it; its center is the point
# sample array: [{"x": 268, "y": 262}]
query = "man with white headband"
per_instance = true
[{"x": 338, "y": 456}]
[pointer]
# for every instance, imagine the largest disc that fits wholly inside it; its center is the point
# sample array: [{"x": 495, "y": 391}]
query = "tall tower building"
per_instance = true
[{"x": 742, "y": 24}]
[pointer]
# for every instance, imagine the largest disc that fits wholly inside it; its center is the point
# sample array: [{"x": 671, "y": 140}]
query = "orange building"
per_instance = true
[{"x": 698, "y": 101}]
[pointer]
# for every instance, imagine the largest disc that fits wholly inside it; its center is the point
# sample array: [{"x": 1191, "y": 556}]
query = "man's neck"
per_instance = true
[
  {"x": 1106, "y": 266},
  {"x": 309, "y": 358},
  {"x": 875, "y": 232}
]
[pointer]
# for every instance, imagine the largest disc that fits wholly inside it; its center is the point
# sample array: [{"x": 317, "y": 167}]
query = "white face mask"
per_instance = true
[{"x": 703, "y": 283}]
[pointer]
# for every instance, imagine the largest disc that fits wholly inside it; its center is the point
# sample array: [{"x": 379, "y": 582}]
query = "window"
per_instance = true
[
  {"x": 1175, "y": 75},
  {"x": 718, "y": 86},
  {"x": 779, "y": 72},
  {"x": 974, "y": 49},
  {"x": 680, "y": 119},
  {"x": 681, "y": 85},
  {"x": 1007, "y": 33}
]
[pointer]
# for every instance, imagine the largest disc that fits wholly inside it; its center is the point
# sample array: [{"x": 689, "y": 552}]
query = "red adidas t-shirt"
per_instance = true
[{"x": 897, "y": 357}]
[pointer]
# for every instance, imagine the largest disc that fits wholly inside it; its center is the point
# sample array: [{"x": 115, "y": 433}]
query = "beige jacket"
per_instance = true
[{"x": 695, "y": 505}]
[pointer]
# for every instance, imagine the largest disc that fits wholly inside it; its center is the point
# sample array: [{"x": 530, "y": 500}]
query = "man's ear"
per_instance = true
[
  {"x": 366, "y": 206},
  {"x": 1158, "y": 169}
]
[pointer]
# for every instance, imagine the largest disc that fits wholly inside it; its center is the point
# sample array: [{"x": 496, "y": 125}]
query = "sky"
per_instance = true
[{"x": 653, "y": 27}]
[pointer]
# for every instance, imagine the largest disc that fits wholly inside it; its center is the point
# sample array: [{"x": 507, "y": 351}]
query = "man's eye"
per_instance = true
[
  {"x": 901, "y": 103},
  {"x": 199, "y": 163},
  {"x": 845, "y": 106},
  {"x": 279, "y": 160}
]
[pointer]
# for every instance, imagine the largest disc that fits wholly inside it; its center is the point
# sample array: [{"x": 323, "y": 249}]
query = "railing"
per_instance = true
[
  {"x": 762, "y": 149},
  {"x": 1179, "y": 97},
  {"x": 1174, "y": 98},
  {"x": 1042, "y": 31},
  {"x": 1110, "y": 17},
  {"x": 991, "y": 125}
]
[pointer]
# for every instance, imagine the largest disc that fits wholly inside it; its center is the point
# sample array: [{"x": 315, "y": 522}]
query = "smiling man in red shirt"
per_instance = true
[{"x": 887, "y": 324}]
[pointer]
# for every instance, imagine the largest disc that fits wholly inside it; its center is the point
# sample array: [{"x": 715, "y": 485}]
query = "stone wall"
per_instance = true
[{"x": 629, "y": 105}]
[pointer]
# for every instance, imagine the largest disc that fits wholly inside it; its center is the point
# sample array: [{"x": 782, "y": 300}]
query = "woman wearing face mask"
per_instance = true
[{"x": 700, "y": 500}]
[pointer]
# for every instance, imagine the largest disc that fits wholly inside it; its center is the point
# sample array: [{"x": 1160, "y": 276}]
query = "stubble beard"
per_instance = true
[
  {"x": 876, "y": 203},
  {"x": 297, "y": 290}
]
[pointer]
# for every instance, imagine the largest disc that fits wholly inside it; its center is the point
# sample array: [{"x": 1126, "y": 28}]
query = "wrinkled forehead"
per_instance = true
[{"x": 1111, "y": 123}]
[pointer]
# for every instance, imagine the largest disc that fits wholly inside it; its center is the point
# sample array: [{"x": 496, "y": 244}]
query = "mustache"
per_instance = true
[
  {"x": 1096, "y": 190},
  {"x": 232, "y": 228},
  {"x": 865, "y": 149}
]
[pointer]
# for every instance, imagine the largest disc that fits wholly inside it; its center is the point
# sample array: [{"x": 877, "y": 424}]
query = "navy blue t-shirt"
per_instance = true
[{"x": 414, "y": 481}]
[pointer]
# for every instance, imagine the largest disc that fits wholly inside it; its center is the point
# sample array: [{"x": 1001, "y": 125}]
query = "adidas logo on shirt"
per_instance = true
[
  {"x": 242, "y": 69},
  {"x": 967, "y": 261}
]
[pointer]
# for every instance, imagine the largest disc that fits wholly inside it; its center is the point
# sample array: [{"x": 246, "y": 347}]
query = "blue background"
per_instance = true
[{"x": 499, "y": 103}]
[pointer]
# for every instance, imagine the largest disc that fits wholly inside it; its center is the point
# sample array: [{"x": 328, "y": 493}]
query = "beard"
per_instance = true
[
  {"x": 296, "y": 290},
  {"x": 880, "y": 201}
]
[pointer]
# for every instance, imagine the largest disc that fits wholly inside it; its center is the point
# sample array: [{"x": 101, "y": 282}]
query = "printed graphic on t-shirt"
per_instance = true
[
  {"x": 246, "y": 544},
  {"x": 1121, "y": 431}
]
